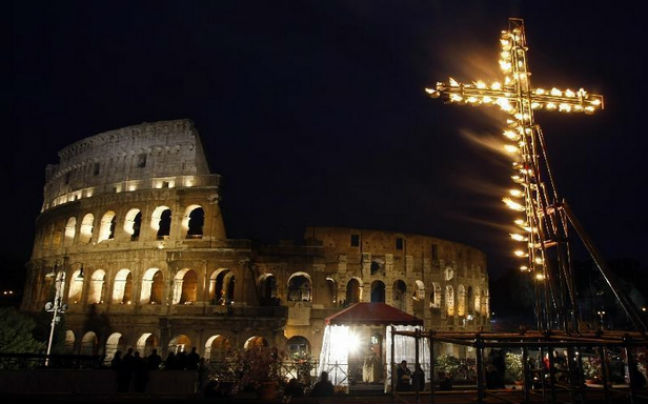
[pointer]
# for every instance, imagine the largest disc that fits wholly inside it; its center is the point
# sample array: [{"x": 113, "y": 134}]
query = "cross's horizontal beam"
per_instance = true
[{"x": 507, "y": 97}]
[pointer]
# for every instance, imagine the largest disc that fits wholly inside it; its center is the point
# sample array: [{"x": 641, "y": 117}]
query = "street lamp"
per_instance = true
[
  {"x": 56, "y": 307},
  {"x": 601, "y": 314}
]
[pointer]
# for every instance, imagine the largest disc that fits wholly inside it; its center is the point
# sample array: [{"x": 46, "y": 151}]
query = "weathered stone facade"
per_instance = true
[{"x": 136, "y": 212}]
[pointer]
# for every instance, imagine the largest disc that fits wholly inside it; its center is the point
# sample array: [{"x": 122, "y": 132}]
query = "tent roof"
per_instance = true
[{"x": 372, "y": 314}]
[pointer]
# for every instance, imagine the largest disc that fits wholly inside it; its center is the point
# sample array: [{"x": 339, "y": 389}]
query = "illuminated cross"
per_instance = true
[{"x": 543, "y": 226}]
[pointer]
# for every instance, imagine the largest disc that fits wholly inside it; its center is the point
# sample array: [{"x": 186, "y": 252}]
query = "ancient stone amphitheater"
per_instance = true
[{"x": 131, "y": 223}]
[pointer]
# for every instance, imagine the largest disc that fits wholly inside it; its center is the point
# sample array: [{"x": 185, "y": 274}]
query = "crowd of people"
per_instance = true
[{"x": 132, "y": 369}]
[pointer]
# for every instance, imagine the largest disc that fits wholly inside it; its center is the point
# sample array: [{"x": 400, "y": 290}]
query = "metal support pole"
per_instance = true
[
  {"x": 526, "y": 379},
  {"x": 571, "y": 373},
  {"x": 604, "y": 373},
  {"x": 391, "y": 363},
  {"x": 417, "y": 337},
  {"x": 552, "y": 375},
  {"x": 479, "y": 344},
  {"x": 632, "y": 369},
  {"x": 431, "y": 369}
]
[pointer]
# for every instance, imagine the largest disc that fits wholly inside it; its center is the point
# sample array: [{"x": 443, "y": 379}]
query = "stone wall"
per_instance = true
[{"x": 184, "y": 284}]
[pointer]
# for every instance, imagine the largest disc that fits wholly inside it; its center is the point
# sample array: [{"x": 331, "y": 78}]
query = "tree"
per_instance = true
[{"x": 16, "y": 332}]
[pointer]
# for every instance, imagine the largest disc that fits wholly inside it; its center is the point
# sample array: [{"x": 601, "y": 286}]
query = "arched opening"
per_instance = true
[
  {"x": 70, "y": 231},
  {"x": 377, "y": 267},
  {"x": 470, "y": 299},
  {"x": 399, "y": 294},
  {"x": 449, "y": 297},
  {"x": 68, "y": 345},
  {"x": 180, "y": 343},
  {"x": 477, "y": 301},
  {"x": 435, "y": 296},
  {"x": 217, "y": 348},
  {"x": 161, "y": 222},
  {"x": 418, "y": 305},
  {"x": 221, "y": 287},
  {"x": 76, "y": 287},
  {"x": 107, "y": 227},
  {"x": 195, "y": 221},
  {"x": 461, "y": 300},
  {"x": 377, "y": 292},
  {"x": 85, "y": 231},
  {"x": 255, "y": 342},
  {"x": 298, "y": 347},
  {"x": 185, "y": 287},
  {"x": 353, "y": 291},
  {"x": 96, "y": 290},
  {"x": 331, "y": 291},
  {"x": 89, "y": 343},
  {"x": 114, "y": 343},
  {"x": 123, "y": 289},
  {"x": 152, "y": 286},
  {"x": 268, "y": 290},
  {"x": 146, "y": 343},
  {"x": 133, "y": 223},
  {"x": 299, "y": 287}
]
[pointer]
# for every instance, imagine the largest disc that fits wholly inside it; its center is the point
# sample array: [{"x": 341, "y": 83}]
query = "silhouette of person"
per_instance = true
[
  {"x": 418, "y": 378},
  {"x": 192, "y": 360},
  {"x": 154, "y": 360},
  {"x": 171, "y": 362},
  {"x": 140, "y": 373},
  {"x": 323, "y": 388},
  {"x": 125, "y": 372},
  {"x": 403, "y": 377}
]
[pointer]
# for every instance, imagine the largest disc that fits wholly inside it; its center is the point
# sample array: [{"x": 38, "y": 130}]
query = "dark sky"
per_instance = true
[{"x": 314, "y": 111}]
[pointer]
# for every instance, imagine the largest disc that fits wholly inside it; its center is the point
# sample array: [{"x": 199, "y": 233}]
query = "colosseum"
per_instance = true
[{"x": 132, "y": 226}]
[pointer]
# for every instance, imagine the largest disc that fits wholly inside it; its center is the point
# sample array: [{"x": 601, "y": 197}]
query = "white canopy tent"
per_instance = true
[{"x": 343, "y": 337}]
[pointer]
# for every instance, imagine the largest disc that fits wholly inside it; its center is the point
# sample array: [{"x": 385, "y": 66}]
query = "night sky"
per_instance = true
[{"x": 314, "y": 112}]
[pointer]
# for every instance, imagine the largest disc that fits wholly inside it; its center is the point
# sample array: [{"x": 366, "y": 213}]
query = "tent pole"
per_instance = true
[
  {"x": 417, "y": 337},
  {"x": 391, "y": 361}
]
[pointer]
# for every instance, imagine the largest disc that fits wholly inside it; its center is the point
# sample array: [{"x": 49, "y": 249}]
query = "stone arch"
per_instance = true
[
  {"x": 435, "y": 296},
  {"x": 107, "y": 226},
  {"x": 461, "y": 300},
  {"x": 299, "y": 287},
  {"x": 255, "y": 342},
  {"x": 89, "y": 343},
  {"x": 217, "y": 348},
  {"x": 267, "y": 289},
  {"x": 133, "y": 223},
  {"x": 331, "y": 291},
  {"x": 419, "y": 293},
  {"x": 146, "y": 343},
  {"x": 76, "y": 287},
  {"x": 123, "y": 287},
  {"x": 399, "y": 294},
  {"x": 477, "y": 300},
  {"x": 377, "y": 292},
  {"x": 152, "y": 286},
  {"x": 221, "y": 286},
  {"x": 180, "y": 343},
  {"x": 353, "y": 291},
  {"x": 114, "y": 343},
  {"x": 68, "y": 345},
  {"x": 70, "y": 230},
  {"x": 449, "y": 300},
  {"x": 470, "y": 300},
  {"x": 96, "y": 290},
  {"x": 161, "y": 221},
  {"x": 298, "y": 347},
  {"x": 185, "y": 287},
  {"x": 195, "y": 221},
  {"x": 87, "y": 225}
]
